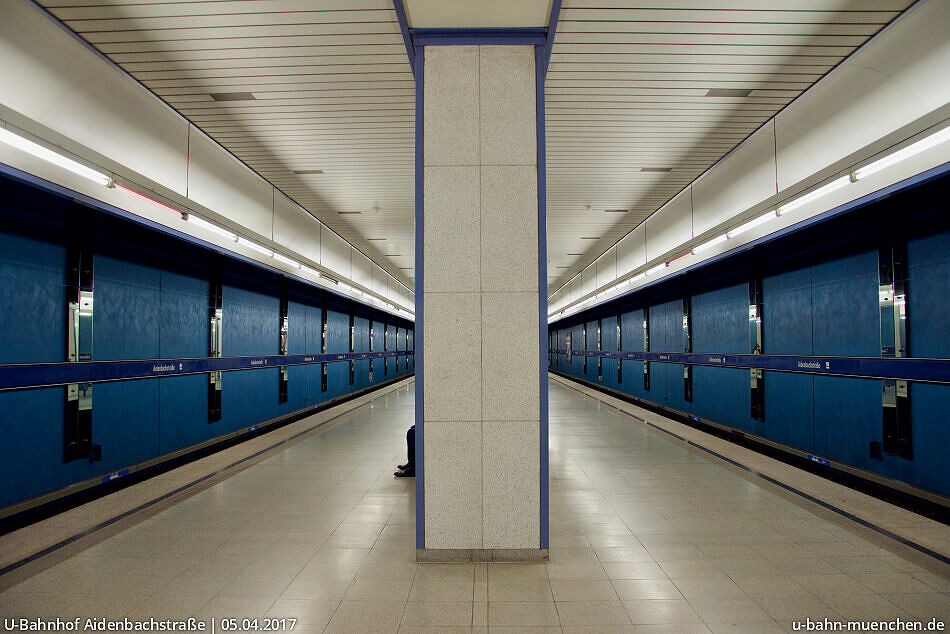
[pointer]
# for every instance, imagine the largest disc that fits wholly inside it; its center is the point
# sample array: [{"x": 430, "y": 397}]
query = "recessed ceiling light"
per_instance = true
[
  {"x": 303, "y": 172},
  {"x": 394, "y": 255},
  {"x": 375, "y": 238},
  {"x": 616, "y": 211},
  {"x": 405, "y": 268},
  {"x": 575, "y": 254},
  {"x": 349, "y": 213},
  {"x": 233, "y": 96},
  {"x": 728, "y": 92},
  {"x": 656, "y": 169},
  {"x": 590, "y": 237},
  {"x": 562, "y": 267}
]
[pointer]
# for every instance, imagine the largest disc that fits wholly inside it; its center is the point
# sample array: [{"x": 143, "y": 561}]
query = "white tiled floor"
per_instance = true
[{"x": 647, "y": 535}]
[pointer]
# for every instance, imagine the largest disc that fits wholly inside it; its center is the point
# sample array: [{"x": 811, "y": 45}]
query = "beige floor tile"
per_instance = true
[
  {"x": 839, "y": 584},
  {"x": 592, "y": 613},
  {"x": 235, "y": 607},
  {"x": 923, "y": 606},
  {"x": 672, "y": 628},
  {"x": 769, "y": 586},
  {"x": 576, "y": 571},
  {"x": 572, "y": 555},
  {"x": 583, "y": 590},
  {"x": 522, "y": 613},
  {"x": 514, "y": 589},
  {"x": 798, "y": 607},
  {"x": 480, "y": 614},
  {"x": 623, "y": 554},
  {"x": 437, "y": 614},
  {"x": 316, "y": 589},
  {"x": 865, "y": 607},
  {"x": 730, "y": 611},
  {"x": 168, "y": 606},
  {"x": 690, "y": 568},
  {"x": 367, "y": 616},
  {"x": 634, "y": 570},
  {"x": 310, "y": 615},
  {"x": 763, "y": 627},
  {"x": 443, "y": 589},
  {"x": 898, "y": 582},
  {"x": 661, "y": 612},
  {"x": 709, "y": 588},
  {"x": 636, "y": 589}
]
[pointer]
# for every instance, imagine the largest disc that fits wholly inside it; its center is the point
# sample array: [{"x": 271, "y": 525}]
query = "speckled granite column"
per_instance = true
[{"x": 481, "y": 394}]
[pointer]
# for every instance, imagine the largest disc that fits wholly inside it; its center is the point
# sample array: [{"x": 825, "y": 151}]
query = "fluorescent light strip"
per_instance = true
[
  {"x": 213, "y": 228},
  {"x": 307, "y": 269},
  {"x": 15, "y": 140},
  {"x": 924, "y": 144},
  {"x": 710, "y": 244},
  {"x": 656, "y": 269},
  {"x": 834, "y": 185},
  {"x": 254, "y": 246},
  {"x": 753, "y": 223},
  {"x": 286, "y": 260}
]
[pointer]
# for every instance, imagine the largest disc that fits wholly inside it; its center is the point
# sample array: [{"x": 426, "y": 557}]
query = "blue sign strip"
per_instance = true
[
  {"x": 904, "y": 369},
  {"x": 22, "y": 376}
]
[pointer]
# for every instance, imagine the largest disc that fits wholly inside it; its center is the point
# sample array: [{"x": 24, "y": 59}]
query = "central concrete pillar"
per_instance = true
[{"x": 481, "y": 391}]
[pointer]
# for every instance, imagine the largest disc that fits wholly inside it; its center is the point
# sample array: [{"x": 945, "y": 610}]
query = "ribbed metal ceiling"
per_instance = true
[
  {"x": 630, "y": 117},
  {"x": 640, "y": 101}
]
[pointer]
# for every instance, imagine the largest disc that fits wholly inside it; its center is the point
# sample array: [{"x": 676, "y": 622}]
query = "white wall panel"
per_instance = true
[
  {"x": 606, "y": 267},
  {"x": 588, "y": 280},
  {"x": 362, "y": 269},
  {"x": 631, "y": 251},
  {"x": 296, "y": 228},
  {"x": 574, "y": 289},
  {"x": 742, "y": 179},
  {"x": 335, "y": 253},
  {"x": 670, "y": 226},
  {"x": 380, "y": 280},
  {"x": 898, "y": 78},
  {"x": 222, "y": 183},
  {"x": 62, "y": 85}
]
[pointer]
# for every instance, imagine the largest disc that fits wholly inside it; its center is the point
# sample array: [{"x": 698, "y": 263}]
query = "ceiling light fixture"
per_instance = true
[
  {"x": 659, "y": 170},
  {"x": 801, "y": 201},
  {"x": 208, "y": 226},
  {"x": 286, "y": 260},
  {"x": 711, "y": 243},
  {"x": 728, "y": 92},
  {"x": 616, "y": 211},
  {"x": 307, "y": 172},
  {"x": 924, "y": 144},
  {"x": 753, "y": 223},
  {"x": 37, "y": 150},
  {"x": 254, "y": 246},
  {"x": 233, "y": 96},
  {"x": 656, "y": 269}
]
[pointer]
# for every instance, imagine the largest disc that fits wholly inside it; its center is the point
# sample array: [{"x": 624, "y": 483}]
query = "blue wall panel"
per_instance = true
[
  {"x": 183, "y": 410},
  {"x": 33, "y": 272},
  {"x": 32, "y": 427},
  {"x": 184, "y": 323},
  {"x": 845, "y": 313},
  {"x": 338, "y": 340},
  {"x": 125, "y": 321}
]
